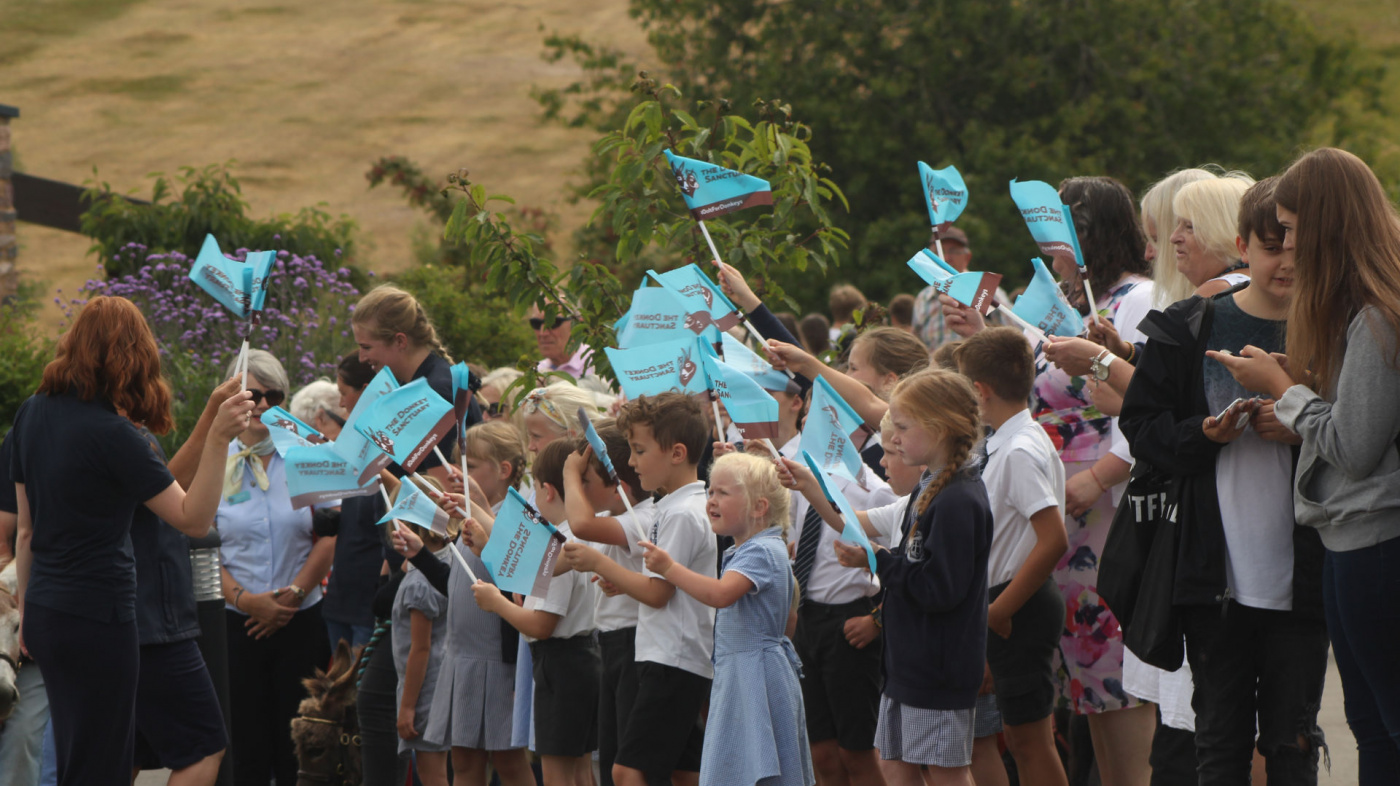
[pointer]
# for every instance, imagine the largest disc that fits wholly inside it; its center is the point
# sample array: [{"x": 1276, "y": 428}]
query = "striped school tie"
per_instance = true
[{"x": 811, "y": 538}]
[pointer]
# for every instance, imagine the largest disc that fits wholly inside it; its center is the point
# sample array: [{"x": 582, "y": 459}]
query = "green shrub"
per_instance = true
[
  {"x": 23, "y": 355},
  {"x": 474, "y": 326}
]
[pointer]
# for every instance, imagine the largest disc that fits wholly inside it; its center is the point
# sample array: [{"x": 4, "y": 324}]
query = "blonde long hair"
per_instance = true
[
  {"x": 1168, "y": 285},
  {"x": 1213, "y": 208},
  {"x": 388, "y": 311},
  {"x": 944, "y": 404},
  {"x": 1346, "y": 257}
]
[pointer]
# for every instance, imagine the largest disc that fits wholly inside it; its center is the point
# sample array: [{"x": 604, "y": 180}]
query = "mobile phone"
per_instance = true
[{"x": 1225, "y": 413}]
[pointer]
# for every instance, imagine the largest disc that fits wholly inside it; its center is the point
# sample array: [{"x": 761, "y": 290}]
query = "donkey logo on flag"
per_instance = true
[
  {"x": 383, "y": 441},
  {"x": 687, "y": 367},
  {"x": 685, "y": 178}
]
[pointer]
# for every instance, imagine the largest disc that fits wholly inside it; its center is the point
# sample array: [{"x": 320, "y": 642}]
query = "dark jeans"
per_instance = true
[
  {"x": 1253, "y": 663},
  {"x": 1173, "y": 756},
  {"x": 378, "y": 709},
  {"x": 1361, "y": 596},
  {"x": 264, "y": 680}
]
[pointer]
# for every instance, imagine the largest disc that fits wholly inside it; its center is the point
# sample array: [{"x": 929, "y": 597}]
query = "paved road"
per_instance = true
[{"x": 1331, "y": 719}]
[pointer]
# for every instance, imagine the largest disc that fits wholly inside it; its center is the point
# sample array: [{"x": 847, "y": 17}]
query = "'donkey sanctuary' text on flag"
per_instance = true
[
  {"x": 711, "y": 190},
  {"x": 523, "y": 548}
]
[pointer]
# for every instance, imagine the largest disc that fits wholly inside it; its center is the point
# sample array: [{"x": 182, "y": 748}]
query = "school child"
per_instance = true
[
  {"x": 1025, "y": 482},
  {"x": 838, "y": 631},
  {"x": 560, "y": 629},
  {"x": 495, "y": 455},
  {"x": 616, "y": 533},
  {"x": 393, "y": 331},
  {"x": 759, "y": 734},
  {"x": 1247, "y": 581},
  {"x": 935, "y": 580},
  {"x": 675, "y": 632},
  {"x": 419, "y": 628}
]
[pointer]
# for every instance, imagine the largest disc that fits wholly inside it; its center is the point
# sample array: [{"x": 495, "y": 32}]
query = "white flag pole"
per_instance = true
[
  {"x": 753, "y": 331},
  {"x": 1028, "y": 327},
  {"x": 463, "y": 562},
  {"x": 1089, "y": 295}
]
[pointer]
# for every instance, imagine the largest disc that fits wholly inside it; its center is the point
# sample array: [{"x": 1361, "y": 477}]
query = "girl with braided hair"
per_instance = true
[{"x": 935, "y": 579}]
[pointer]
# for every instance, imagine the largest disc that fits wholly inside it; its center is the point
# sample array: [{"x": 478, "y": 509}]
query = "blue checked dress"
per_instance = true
[{"x": 757, "y": 728}]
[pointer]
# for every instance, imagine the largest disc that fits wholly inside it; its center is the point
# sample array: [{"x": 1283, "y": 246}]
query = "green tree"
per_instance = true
[
  {"x": 210, "y": 201},
  {"x": 1001, "y": 89},
  {"x": 644, "y": 221}
]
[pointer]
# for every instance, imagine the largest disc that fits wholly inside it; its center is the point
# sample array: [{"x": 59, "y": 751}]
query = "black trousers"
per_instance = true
[
  {"x": 378, "y": 707},
  {"x": 90, "y": 671},
  {"x": 1253, "y": 663},
  {"x": 264, "y": 677}
]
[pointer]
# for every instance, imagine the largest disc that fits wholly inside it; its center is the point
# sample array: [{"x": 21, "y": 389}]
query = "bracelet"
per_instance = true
[
  {"x": 1132, "y": 353},
  {"x": 1099, "y": 483},
  {"x": 237, "y": 594}
]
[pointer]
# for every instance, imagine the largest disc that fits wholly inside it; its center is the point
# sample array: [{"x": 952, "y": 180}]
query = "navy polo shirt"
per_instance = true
[
  {"x": 85, "y": 469},
  {"x": 165, "y": 605},
  {"x": 358, "y": 558},
  {"x": 8, "y": 502}
]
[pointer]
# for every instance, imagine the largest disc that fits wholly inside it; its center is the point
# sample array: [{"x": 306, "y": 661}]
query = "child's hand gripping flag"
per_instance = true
[
  {"x": 1044, "y": 305},
  {"x": 750, "y": 408},
  {"x": 407, "y": 423},
  {"x": 945, "y": 194},
  {"x": 851, "y": 531},
  {"x": 415, "y": 507},
  {"x": 834, "y": 433},
  {"x": 710, "y": 190},
  {"x": 707, "y": 303},
  {"x": 288, "y": 431},
  {"x": 366, "y": 459},
  {"x": 974, "y": 290},
  {"x": 317, "y": 474},
  {"x": 523, "y": 548},
  {"x": 657, "y": 368}
]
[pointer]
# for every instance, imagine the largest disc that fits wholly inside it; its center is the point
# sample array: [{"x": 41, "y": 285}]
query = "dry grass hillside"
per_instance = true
[{"x": 302, "y": 95}]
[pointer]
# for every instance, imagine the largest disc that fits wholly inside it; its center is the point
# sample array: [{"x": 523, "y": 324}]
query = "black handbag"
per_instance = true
[{"x": 1140, "y": 555}]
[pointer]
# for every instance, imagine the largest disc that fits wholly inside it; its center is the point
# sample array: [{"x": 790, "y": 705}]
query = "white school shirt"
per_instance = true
[
  {"x": 888, "y": 521},
  {"x": 571, "y": 596},
  {"x": 620, "y": 611},
  {"x": 1024, "y": 475},
  {"x": 681, "y": 634},
  {"x": 831, "y": 582}
]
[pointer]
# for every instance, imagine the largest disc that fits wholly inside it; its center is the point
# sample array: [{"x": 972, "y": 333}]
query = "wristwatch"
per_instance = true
[{"x": 1099, "y": 365}]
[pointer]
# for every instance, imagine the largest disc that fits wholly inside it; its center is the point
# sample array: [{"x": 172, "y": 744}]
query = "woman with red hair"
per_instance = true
[{"x": 80, "y": 468}]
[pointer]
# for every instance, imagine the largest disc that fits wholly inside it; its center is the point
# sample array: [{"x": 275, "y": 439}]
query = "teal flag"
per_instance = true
[{"x": 710, "y": 190}]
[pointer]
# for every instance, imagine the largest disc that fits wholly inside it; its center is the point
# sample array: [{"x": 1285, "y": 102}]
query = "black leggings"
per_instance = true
[
  {"x": 264, "y": 680},
  {"x": 90, "y": 670},
  {"x": 378, "y": 708}
]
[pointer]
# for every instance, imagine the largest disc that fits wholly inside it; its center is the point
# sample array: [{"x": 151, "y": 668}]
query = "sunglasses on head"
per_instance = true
[
  {"x": 274, "y": 397},
  {"x": 537, "y": 323}
]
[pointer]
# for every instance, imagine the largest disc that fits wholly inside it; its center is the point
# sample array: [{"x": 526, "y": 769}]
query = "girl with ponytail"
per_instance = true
[{"x": 935, "y": 579}]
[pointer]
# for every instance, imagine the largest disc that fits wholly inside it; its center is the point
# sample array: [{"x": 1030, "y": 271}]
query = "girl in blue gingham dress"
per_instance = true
[{"x": 757, "y": 732}]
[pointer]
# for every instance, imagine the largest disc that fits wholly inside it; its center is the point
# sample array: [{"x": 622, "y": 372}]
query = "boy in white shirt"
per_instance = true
[
  {"x": 675, "y": 632},
  {"x": 560, "y": 626},
  {"x": 1025, "y": 482},
  {"x": 615, "y": 533}
]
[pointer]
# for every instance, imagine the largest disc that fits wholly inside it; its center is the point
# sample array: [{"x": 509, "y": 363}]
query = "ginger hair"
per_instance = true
[{"x": 944, "y": 404}]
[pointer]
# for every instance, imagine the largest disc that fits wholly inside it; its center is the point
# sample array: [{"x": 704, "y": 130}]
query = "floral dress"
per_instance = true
[{"x": 1089, "y": 668}]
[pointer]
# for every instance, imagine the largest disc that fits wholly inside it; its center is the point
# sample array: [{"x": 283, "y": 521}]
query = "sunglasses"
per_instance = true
[
  {"x": 537, "y": 323},
  {"x": 274, "y": 397},
  {"x": 494, "y": 410}
]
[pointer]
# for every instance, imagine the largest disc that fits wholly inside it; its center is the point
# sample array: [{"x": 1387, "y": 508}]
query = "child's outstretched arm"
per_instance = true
[
  {"x": 1050, "y": 544},
  {"x": 532, "y": 622},
  {"x": 869, "y": 406},
  {"x": 415, "y": 669},
  {"x": 583, "y": 520},
  {"x": 797, "y": 476},
  {"x": 645, "y": 589},
  {"x": 720, "y": 593}
]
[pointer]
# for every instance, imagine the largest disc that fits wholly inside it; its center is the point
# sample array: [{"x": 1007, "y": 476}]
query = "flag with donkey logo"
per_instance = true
[
  {"x": 317, "y": 474},
  {"x": 660, "y": 314},
  {"x": 750, "y": 408},
  {"x": 288, "y": 431},
  {"x": 1045, "y": 306},
  {"x": 414, "y": 506},
  {"x": 240, "y": 286},
  {"x": 851, "y": 531},
  {"x": 523, "y": 548},
  {"x": 710, "y": 190},
  {"x": 656, "y": 368},
  {"x": 833, "y": 433},
  {"x": 702, "y": 297},
  {"x": 1048, "y": 219},
  {"x": 738, "y": 355},
  {"x": 974, "y": 290},
  {"x": 945, "y": 194},
  {"x": 407, "y": 423},
  {"x": 359, "y": 451}
]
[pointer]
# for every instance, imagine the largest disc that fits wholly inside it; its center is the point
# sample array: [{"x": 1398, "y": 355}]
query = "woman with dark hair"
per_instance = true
[{"x": 77, "y": 577}]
